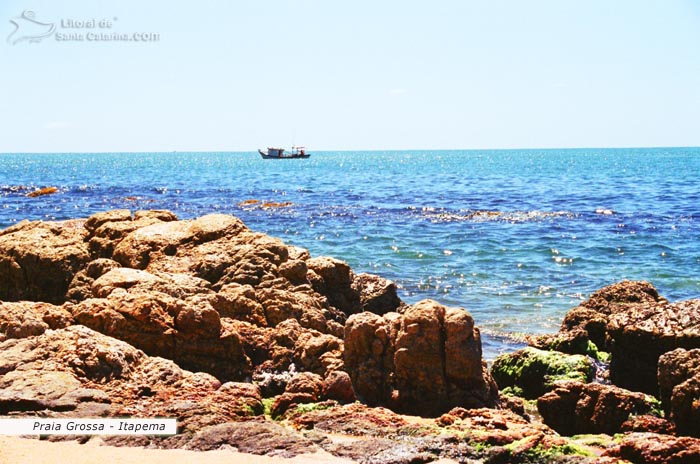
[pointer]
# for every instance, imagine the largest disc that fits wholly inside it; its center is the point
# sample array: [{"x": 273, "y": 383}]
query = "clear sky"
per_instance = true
[{"x": 383, "y": 74}]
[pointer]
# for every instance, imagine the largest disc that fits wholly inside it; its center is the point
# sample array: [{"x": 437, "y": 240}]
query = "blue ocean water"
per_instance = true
[{"x": 517, "y": 237}]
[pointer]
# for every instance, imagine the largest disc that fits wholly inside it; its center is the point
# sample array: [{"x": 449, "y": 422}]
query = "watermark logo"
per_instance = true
[{"x": 28, "y": 28}]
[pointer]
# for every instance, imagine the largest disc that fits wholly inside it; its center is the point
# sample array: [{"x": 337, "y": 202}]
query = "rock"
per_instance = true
[
  {"x": 294, "y": 270},
  {"x": 425, "y": 361},
  {"x": 306, "y": 382},
  {"x": 377, "y": 294},
  {"x": 38, "y": 260},
  {"x": 333, "y": 279},
  {"x": 531, "y": 372},
  {"x": 95, "y": 221},
  {"x": 352, "y": 419},
  {"x": 576, "y": 408},
  {"x": 685, "y": 406},
  {"x": 635, "y": 324},
  {"x": 675, "y": 367},
  {"x": 254, "y": 437},
  {"x": 338, "y": 386},
  {"x": 25, "y": 319},
  {"x": 643, "y": 333},
  {"x": 77, "y": 372},
  {"x": 651, "y": 448},
  {"x": 42, "y": 191},
  {"x": 106, "y": 230},
  {"x": 80, "y": 287},
  {"x": 137, "y": 248},
  {"x": 648, "y": 423},
  {"x": 318, "y": 353},
  {"x": 288, "y": 400}
]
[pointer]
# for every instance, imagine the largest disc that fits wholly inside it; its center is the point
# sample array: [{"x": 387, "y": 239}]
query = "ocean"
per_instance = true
[{"x": 516, "y": 237}]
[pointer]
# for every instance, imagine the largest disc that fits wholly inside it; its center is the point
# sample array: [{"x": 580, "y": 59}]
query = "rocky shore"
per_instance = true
[{"x": 255, "y": 345}]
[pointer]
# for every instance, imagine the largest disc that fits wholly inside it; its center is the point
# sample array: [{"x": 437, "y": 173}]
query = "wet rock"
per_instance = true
[
  {"x": 38, "y": 260},
  {"x": 531, "y": 372},
  {"x": 42, "y": 191},
  {"x": 577, "y": 408},
  {"x": 651, "y": 448},
  {"x": 425, "y": 361}
]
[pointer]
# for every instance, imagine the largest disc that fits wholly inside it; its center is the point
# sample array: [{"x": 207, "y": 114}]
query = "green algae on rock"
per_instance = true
[{"x": 531, "y": 372}]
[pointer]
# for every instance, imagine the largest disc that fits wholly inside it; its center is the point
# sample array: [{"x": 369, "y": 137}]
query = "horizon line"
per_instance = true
[{"x": 345, "y": 150}]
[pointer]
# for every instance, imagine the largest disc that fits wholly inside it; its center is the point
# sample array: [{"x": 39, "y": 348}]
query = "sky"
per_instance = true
[{"x": 348, "y": 75}]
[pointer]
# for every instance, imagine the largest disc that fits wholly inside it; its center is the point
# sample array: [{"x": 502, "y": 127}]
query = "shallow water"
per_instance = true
[{"x": 517, "y": 237}]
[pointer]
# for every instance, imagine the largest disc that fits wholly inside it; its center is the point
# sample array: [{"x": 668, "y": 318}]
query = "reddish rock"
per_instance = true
[
  {"x": 189, "y": 331},
  {"x": 306, "y": 382},
  {"x": 109, "y": 228},
  {"x": 80, "y": 287},
  {"x": 338, "y": 386},
  {"x": 576, "y": 408},
  {"x": 425, "y": 361},
  {"x": 38, "y": 260},
  {"x": 288, "y": 400},
  {"x": 651, "y": 448},
  {"x": 253, "y": 437},
  {"x": 648, "y": 423},
  {"x": 685, "y": 406},
  {"x": 675, "y": 367},
  {"x": 24, "y": 319}
]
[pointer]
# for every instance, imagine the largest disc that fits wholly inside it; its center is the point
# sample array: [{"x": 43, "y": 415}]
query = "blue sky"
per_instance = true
[{"x": 239, "y": 75}]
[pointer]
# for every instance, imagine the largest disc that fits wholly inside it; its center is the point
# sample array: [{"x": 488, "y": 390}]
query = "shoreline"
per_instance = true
[{"x": 255, "y": 346}]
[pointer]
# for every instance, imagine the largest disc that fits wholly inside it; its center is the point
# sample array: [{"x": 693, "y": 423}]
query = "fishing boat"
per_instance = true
[{"x": 281, "y": 153}]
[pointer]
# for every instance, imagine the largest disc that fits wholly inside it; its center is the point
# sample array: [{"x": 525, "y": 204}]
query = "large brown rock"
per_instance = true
[
  {"x": 652, "y": 448},
  {"x": 76, "y": 371},
  {"x": 38, "y": 260},
  {"x": 425, "y": 361},
  {"x": 636, "y": 325},
  {"x": 679, "y": 388},
  {"x": 576, "y": 408}
]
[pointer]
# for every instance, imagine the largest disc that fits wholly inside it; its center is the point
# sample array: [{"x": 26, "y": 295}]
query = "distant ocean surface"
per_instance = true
[{"x": 517, "y": 237}]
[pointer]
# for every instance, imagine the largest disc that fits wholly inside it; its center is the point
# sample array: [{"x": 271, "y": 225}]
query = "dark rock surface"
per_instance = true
[{"x": 574, "y": 408}]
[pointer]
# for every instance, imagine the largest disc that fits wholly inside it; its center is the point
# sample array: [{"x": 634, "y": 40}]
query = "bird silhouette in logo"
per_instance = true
[{"x": 29, "y": 29}]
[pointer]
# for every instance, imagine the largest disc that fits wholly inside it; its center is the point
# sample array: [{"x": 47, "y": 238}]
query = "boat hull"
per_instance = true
[{"x": 266, "y": 156}]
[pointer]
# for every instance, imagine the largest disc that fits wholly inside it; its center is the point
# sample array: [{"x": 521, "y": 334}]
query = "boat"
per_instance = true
[{"x": 281, "y": 153}]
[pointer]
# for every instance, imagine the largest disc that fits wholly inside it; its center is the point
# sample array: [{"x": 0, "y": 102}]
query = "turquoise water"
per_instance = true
[{"x": 517, "y": 237}]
